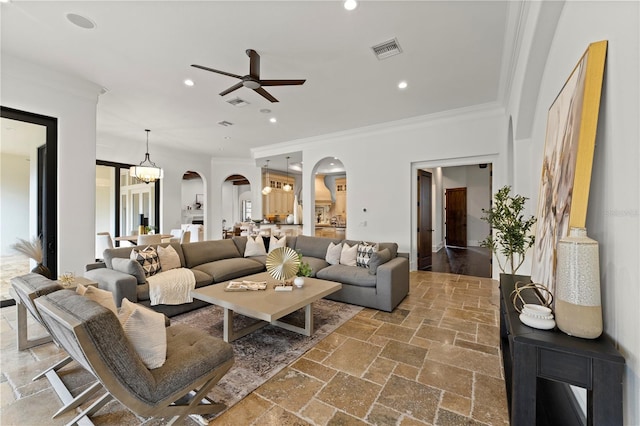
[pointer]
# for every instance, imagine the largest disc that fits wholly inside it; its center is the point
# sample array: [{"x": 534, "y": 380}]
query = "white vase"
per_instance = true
[
  {"x": 577, "y": 299},
  {"x": 296, "y": 219},
  {"x": 290, "y": 219},
  {"x": 298, "y": 281}
]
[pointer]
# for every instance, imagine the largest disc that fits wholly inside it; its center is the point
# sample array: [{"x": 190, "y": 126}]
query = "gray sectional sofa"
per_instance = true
[{"x": 216, "y": 261}]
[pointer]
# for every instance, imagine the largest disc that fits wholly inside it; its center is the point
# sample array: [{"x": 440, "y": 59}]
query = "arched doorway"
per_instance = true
[
  {"x": 330, "y": 198},
  {"x": 238, "y": 205}
]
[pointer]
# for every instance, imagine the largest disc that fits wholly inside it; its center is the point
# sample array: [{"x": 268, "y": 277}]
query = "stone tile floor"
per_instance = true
[
  {"x": 11, "y": 266},
  {"x": 433, "y": 361}
]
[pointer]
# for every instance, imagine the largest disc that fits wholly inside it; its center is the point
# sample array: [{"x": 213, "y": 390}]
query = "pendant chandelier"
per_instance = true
[
  {"x": 146, "y": 171},
  {"x": 287, "y": 187},
  {"x": 267, "y": 189}
]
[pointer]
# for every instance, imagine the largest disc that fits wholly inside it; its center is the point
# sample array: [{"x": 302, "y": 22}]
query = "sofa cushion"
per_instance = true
[
  {"x": 351, "y": 275},
  {"x": 333, "y": 253},
  {"x": 255, "y": 247},
  {"x": 227, "y": 269},
  {"x": 145, "y": 329},
  {"x": 365, "y": 251},
  {"x": 393, "y": 247},
  {"x": 313, "y": 246},
  {"x": 348, "y": 254},
  {"x": 131, "y": 267},
  {"x": 275, "y": 243},
  {"x": 148, "y": 259},
  {"x": 379, "y": 258},
  {"x": 169, "y": 258},
  {"x": 208, "y": 251},
  {"x": 125, "y": 253},
  {"x": 315, "y": 264}
]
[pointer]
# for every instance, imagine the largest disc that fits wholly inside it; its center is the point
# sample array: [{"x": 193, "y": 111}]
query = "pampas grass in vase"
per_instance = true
[{"x": 33, "y": 250}]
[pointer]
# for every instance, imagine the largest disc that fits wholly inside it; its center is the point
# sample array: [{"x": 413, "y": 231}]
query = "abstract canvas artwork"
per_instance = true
[{"x": 567, "y": 160}]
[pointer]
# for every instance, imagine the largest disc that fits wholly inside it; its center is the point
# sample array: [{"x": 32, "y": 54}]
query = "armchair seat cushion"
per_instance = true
[
  {"x": 352, "y": 275},
  {"x": 228, "y": 269}
]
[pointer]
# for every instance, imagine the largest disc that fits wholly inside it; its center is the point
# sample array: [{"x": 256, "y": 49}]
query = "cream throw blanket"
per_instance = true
[{"x": 172, "y": 287}]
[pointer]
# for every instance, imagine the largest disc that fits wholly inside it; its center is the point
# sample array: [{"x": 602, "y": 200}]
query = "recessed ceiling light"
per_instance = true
[
  {"x": 350, "y": 4},
  {"x": 402, "y": 85},
  {"x": 81, "y": 21},
  {"x": 189, "y": 82},
  {"x": 273, "y": 120},
  {"x": 227, "y": 137},
  {"x": 5, "y": 1}
]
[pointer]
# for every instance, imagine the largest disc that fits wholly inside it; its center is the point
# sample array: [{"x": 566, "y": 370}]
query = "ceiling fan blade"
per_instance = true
[
  {"x": 254, "y": 63},
  {"x": 266, "y": 94},
  {"x": 281, "y": 82},
  {"x": 231, "y": 89},
  {"x": 217, "y": 71}
]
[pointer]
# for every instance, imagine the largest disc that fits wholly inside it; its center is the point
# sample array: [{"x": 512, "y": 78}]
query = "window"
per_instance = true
[{"x": 246, "y": 210}]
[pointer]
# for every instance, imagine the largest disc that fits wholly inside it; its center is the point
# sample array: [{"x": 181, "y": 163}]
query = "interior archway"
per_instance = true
[
  {"x": 330, "y": 198},
  {"x": 238, "y": 205},
  {"x": 194, "y": 205}
]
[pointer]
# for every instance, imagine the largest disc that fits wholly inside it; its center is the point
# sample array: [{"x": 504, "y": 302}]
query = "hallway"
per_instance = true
[{"x": 474, "y": 261}]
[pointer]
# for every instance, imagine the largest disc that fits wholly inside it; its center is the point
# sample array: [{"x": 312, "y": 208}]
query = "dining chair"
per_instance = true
[
  {"x": 103, "y": 242},
  {"x": 149, "y": 239},
  {"x": 186, "y": 237}
]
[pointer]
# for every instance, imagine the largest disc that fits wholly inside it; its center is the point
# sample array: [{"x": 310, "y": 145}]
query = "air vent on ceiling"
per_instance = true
[
  {"x": 237, "y": 102},
  {"x": 225, "y": 123},
  {"x": 387, "y": 49}
]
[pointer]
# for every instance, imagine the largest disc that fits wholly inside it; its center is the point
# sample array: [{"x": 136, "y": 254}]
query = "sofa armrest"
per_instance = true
[
  {"x": 95, "y": 265},
  {"x": 393, "y": 281},
  {"x": 120, "y": 284}
]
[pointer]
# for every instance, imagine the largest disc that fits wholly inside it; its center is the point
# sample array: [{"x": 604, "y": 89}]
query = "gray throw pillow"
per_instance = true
[
  {"x": 378, "y": 258},
  {"x": 129, "y": 266}
]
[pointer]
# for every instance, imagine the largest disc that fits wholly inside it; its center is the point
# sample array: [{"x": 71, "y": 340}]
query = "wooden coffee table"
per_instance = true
[{"x": 268, "y": 305}]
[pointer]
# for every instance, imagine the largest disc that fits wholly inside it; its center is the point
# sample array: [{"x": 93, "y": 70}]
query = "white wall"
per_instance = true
[
  {"x": 614, "y": 206},
  {"x": 28, "y": 87},
  {"x": 14, "y": 208},
  {"x": 381, "y": 163}
]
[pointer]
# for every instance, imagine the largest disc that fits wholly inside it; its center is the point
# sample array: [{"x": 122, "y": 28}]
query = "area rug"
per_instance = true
[{"x": 263, "y": 353}]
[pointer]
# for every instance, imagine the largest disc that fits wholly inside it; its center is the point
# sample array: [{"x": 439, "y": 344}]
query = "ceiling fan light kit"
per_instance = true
[
  {"x": 252, "y": 80},
  {"x": 146, "y": 171}
]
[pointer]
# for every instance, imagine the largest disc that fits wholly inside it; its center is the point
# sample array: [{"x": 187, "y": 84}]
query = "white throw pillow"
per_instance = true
[
  {"x": 348, "y": 255},
  {"x": 275, "y": 243},
  {"x": 169, "y": 258},
  {"x": 255, "y": 247},
  {"x": 333, "y": 253},
  {"x": 103, "y": 297},
  {"x": 146, "y": 331}
]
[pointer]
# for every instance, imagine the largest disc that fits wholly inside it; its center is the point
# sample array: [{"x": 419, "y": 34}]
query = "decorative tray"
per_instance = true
[{"x": 246, "y": 285}]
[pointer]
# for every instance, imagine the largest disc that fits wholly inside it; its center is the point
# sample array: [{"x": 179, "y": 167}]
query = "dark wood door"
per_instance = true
[
  {"x": 425, "y": 227},
  {"x": 456, "y": 217}
]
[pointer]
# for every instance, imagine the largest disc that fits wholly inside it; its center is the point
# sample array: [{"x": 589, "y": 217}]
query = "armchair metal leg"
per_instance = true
[
  {"x": 55, "y": 367},
  {"x": 78, "y": 400},
  {"x": 93, "y": 408}
]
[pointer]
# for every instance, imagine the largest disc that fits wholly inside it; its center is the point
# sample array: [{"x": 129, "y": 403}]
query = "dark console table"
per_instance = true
[{"x": 540, "y": 364}]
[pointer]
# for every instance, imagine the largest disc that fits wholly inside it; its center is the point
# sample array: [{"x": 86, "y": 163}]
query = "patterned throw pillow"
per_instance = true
[
  {"x": 365, "y": 250},
  {"x": 148, "y": 259}
]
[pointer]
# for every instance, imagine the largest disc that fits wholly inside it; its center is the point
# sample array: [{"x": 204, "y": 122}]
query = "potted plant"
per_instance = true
[
  {"x": 33, "y": 250},
  {"x": 304, "y": 270},
  {"x": 511, "y": 232}
]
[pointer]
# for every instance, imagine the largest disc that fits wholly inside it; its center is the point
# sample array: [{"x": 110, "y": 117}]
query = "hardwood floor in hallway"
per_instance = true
[{"x": 474, "y": 261}]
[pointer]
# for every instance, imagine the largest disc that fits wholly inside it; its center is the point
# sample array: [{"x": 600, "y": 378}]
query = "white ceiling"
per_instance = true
[{"x": 141, "y": 52}]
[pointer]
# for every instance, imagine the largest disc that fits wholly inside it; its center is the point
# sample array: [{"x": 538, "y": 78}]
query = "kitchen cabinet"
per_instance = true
[
  {"x": 340, "y": 207},
  {"x": 278, "y": 202}
]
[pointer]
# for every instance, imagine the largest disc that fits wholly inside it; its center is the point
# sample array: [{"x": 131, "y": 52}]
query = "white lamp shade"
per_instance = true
[{"x": 145, "y": 173}]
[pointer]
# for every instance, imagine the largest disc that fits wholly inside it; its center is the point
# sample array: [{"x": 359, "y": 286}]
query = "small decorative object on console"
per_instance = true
[{"x": 537, "y": 316}]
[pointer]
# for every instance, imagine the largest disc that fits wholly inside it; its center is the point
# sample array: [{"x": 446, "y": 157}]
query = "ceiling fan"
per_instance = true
[{"x": 252, "y": 80}]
